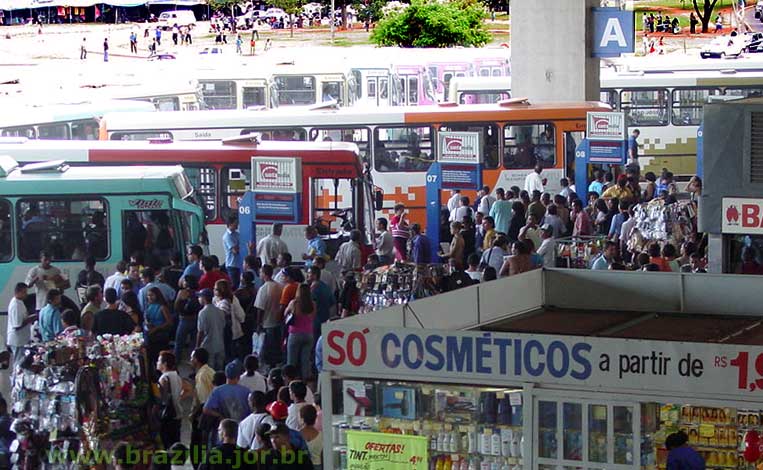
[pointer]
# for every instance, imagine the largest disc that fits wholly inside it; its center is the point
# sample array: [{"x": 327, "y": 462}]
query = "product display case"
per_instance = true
[{"x": 468, "y": 428}]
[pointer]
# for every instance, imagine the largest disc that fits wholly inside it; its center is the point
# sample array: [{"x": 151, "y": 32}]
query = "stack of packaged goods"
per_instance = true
[{"x": 83, "y": 394}]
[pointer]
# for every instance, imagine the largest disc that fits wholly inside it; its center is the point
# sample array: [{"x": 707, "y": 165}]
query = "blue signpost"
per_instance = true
[{"x": 613, "y": 32}]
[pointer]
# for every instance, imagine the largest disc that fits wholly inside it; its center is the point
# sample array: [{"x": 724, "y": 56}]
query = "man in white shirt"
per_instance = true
[
  {"x": 463, "y": 210},
  {"x": 115, "y": 279},
  {"x": 486, "y": 201},
  {"x": 247, "y": 436},
  {"x": 349, "y": 255},
  {"x": 384, "y": 246},
  {"x": 547, "y": 249},
  {"x": 455, "y": 197},
  {"x": 19, "y": 324},
  {"x": 251, "y": 378},
  {"x": 44, "y": 278},
  {"x": 533, "y": 181},
  {"x": 271, "y": 246}
]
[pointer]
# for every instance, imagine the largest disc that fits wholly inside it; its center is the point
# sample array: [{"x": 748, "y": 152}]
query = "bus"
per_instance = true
[
  {"x": 336, "y": 191},
  {"x": 665, "y": 106},
  {"x": 416, "y": 85},
  {"x": 397, "y": 144},
  {"x": 66, "y": 121},
  {"x": 479, "y": 90},
  {"x": 377, "y": 86},
  {"x": 240, "y": 87},
  {"x": 310, "y": 83},
  {"x": 75, "y": 212},
  {"x": 182, "y": 95}
]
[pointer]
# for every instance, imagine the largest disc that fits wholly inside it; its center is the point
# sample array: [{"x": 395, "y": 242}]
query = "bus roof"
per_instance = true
[
  {"x": 97, "y": 180},
  {"x": 347, "y": 116},
  {"x": 81, "y": 151},
  {"x": 30, "y": 115}
]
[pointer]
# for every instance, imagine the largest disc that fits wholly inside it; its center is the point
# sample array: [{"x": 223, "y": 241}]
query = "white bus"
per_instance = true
[
  {"x": 241, "y": 87},
  {"x": 65, "y": 122},
  {"x": 666, "y": 107}
]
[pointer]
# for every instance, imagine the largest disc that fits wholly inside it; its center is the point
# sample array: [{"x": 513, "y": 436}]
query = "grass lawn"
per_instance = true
[{"x": 679, "y": 4}]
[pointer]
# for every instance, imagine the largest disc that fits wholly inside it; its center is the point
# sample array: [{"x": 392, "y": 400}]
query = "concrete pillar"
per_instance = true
[{"x": 551, "y": 50}]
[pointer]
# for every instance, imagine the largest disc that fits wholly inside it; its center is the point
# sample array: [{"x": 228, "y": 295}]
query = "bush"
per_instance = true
[{"x": 428, "y": 23}]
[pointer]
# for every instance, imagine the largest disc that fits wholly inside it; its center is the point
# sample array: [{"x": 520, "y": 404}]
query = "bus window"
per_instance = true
[
  {"x": 234, "y": 182},
  {"x": 403, "y": 87},
  {"x": 296, "y": 90},
  {"x": 85, "y": 130},
  {"x": 149, "y": 231},
  {"x": 332, "y": 91},
  {"x": 27, "y": 131},
  {"x": 413, "y": 90},
  {"x": 204, "y": 182},
  {"x": 383, "y": 88},
  {"x": 329, "y": 196},
  {"x": 497, "y": 72},
  {"x": 281, "y": 134},
  {"x": 219, "y": 94},
  {"x": 358, "y": 136},
  {"x": 167, "y": 103},
  {"x": 357, "y": 83},
  {"x": 645, "y": 107},
  {"x": 528, "y": 144},
  {"x": 142, "y": 135},
  {"x": 609, "y": 97},
  {"x": 253, "y": 96},
  {"x": 746, "y": 92},
  {"x": 70, "y": 228},
  {"x": 58, "y": 131},
  {"x": 446, "y": 78},
  {"x": 6, "y": 239},
  {"x": 484, "y": 71},
  {"x": 371, "y": 88},
  {"x": 687, "y": 105},
  {"x": 488, "y": 137},
  {"x": 402, "y": 149}
]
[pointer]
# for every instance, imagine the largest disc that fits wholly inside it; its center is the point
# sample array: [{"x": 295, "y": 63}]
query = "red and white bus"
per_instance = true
[{"x": 336, "y": 191}]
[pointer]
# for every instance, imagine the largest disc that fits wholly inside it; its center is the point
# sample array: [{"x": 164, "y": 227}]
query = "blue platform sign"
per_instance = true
[
  {"x": 613, "y": 32},
  {"x": 464, "y": 176},
  {"x": 613, "y": 153}
]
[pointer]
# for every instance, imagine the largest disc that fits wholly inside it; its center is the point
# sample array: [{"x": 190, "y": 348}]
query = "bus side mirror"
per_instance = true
[{"x": 378, "y": 200}]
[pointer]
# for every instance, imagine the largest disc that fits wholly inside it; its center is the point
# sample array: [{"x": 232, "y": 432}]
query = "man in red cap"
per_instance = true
[{"x": 279, "y": 411}]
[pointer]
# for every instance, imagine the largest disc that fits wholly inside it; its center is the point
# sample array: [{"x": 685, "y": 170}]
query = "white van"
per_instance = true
[{"x": 168, "y": 19}]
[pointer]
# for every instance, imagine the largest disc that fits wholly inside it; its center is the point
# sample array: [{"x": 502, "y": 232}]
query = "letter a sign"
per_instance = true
[{"x": 613, "y": 31}]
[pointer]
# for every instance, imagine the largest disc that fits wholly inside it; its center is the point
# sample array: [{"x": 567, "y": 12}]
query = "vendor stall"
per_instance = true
[
  {"x": 542, "y": 402},
  {"x": 79, "y": 394},
  {"x": 397, "y": 284}
]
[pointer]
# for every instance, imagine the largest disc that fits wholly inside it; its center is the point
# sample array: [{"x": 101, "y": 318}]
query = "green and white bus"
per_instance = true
[{"x": 104, "y": 212}]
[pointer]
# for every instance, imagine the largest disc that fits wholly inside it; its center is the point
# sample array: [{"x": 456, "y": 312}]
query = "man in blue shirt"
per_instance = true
[
  {"x": 194, "y": 262},
  {"x": 617, "y": 221},
  {"x": 323, "y": 297},
  {"x": 421, "y": 250},
  {"x": 316, "y": 247},
  {"x": 607, "y": 257},
  {"x": 148, "y": 276},
  {"x": 230, "y": 400},
  {"x": 231, "y": 243},
  {"x": 50, "y": 316},
  {"x": 633, "y": 146},
  {"x": 597, "y": 185}
]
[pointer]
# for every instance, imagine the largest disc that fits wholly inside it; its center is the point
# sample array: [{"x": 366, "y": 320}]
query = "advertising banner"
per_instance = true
[
  {"x": 742, "y": 216},
  {"x": 585, "y": 362},
  {"x": 602, "y": 125},
  {"x": 276, "y": 175},
  {"x": 459, "y": 147},
  {"x": 379, "y": 451}
]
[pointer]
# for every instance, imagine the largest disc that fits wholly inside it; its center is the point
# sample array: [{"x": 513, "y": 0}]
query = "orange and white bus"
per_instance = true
[
  {"x": 397, "y": 143},
  {"x": 336, "y": 191}
]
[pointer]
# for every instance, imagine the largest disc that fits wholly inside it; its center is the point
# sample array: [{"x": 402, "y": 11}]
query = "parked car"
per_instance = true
[
  {"x": 168, "y": 19},
  {"x": 754, "y": 42},
  {"x": 723, "y": 47},
  {"x": 759, "y": 10},
  {"x": 246, "y": 20},
  {"x": 276, "y": 13}
]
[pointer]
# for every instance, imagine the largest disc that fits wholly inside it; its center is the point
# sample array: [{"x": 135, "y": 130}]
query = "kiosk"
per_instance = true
[
  {"x": 458, "y": 166},
  {"x": 605, "y": 144}
]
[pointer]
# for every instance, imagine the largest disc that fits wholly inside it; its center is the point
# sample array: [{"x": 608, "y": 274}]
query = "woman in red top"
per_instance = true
[
  {"x": 655, "y": 258},
  {"x": 401, "y": 232}
]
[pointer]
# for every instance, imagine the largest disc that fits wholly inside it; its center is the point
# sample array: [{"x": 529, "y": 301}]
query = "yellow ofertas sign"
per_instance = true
[{"x": 373, "y": 450}]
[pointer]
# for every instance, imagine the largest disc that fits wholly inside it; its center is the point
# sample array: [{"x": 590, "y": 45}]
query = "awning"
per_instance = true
[{"x": 25, "y": 4}]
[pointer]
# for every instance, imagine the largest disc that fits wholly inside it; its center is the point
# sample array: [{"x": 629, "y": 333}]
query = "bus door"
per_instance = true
[
  {"x": 253, "y": 94},
  {"x": 571, "y": 141},
  {"x": 150, "y": 226},
  {"x": 377, "y": 90}
]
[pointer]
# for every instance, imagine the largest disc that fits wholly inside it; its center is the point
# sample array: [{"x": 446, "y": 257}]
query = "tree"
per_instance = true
[
  {"x": 707, "y": 12},
  {"x": 428, "y": 23},
  {"x": 291, "y": 7},
  {"x": 369, "y": 11},
  {"x": 222, "y": 6}
]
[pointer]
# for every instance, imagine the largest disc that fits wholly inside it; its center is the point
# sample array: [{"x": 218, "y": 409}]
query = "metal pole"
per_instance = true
[{"x": 331, "y": 21}]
